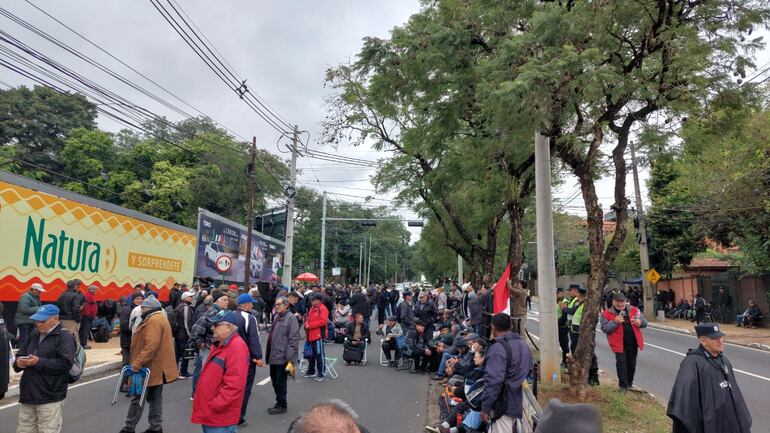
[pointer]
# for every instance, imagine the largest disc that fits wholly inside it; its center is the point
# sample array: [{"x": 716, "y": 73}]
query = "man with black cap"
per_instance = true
[
  {"x": 417, "y": 347},
  {"x": 623, "y": 325},
  {"x": 405, "y": 312},
  {"x": 391, "y": 332},
  {"x": 69, "y": 303},
  {"x": 574, "y": 335},
  {"x": 706, "y": 398},
  {"x": 568, "y": 310},
  {"x": 561, "y": 322}
]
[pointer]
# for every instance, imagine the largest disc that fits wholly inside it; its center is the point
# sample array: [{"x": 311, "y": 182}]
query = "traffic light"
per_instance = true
[
  {"x": 368, "y": 223},
  {"x": 415, "y": 223}
]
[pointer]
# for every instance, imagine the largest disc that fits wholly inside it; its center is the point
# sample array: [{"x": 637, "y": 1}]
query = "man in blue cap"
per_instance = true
[
  {"x": 706, "y": 397},
  {"x": 248, "y": 329},
  {"x": 45, "y": 360}
]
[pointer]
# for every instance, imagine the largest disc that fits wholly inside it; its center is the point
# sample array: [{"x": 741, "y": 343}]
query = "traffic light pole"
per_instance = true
[{"x": 644, "y": 254}]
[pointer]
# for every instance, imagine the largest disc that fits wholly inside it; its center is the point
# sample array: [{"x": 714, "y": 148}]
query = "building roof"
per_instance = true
[{"x": 710, "y": 264}]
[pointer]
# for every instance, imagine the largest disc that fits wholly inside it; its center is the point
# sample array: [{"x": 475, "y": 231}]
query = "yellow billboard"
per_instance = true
[{"x": 49, "y": 239}]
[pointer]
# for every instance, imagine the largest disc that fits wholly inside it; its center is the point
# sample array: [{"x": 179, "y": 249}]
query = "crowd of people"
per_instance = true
[{"x": 480, "y": 359}]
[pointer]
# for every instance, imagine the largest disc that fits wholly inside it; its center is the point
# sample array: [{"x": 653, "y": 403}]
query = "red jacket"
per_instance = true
[
  {"x": 615, "y": 338},
  {"x": 317, "y": 319},
  {"x": 219, "y": 395},
  {"x": 89, "y": 305}
]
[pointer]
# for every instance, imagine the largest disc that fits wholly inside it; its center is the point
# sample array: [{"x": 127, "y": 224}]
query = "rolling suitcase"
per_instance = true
[{"x": 352, "y": 354}]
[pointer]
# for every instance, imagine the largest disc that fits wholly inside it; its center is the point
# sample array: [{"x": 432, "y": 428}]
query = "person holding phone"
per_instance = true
[
  {"x": 623, "y": 325},
  {"x": 44, "y": 361}
]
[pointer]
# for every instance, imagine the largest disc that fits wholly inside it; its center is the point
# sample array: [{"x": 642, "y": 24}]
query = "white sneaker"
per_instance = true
[{"x": 320, "y": 379}]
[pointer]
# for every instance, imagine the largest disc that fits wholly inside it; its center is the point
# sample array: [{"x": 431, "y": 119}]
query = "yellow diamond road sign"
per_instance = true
[{"x": 653, "y": 276}]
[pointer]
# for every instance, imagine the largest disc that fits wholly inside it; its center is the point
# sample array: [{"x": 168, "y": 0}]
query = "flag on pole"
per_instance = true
[{"x": 502, "y": 302}]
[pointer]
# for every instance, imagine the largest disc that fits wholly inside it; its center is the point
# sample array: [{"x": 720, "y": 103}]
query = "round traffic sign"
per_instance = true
[{"x": 224, "y": 263}]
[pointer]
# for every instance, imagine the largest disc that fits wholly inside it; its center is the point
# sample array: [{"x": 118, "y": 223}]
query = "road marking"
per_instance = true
[
  {"x": 734, "y": 369},
  {"x": 739, "y": 346},
  {"x": 70, "y": 387},
  {"x": 532, "y": 318},
  {"x": 263, "y": 381}
]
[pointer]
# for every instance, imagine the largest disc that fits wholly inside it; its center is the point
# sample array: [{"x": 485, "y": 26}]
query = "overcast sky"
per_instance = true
[{"x": 282, "y": 48}]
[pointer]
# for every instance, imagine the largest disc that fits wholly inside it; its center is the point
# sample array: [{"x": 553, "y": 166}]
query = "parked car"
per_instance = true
[
  {"x": 213, "y": 251},
  {"x": 256, "y": 264}
]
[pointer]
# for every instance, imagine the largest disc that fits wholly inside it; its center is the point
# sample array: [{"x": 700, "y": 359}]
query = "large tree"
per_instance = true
[{"x": 424, "y": 96}]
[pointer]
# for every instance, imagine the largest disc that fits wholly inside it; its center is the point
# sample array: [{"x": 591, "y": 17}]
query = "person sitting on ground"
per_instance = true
[
  {"x": 460, "y": 417},
  {"x": 464, "y": 364},
  {"x": 439, "y": 344},
  {"x": 752, "y": 317},
  {"x": 329, "y": 416},
  {"x": 392, "y": 332},
  {"x": 358, "y": 333}
]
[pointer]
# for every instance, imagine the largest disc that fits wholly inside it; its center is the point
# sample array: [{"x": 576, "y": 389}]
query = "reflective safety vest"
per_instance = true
[
  {"x": 570, "y": 305},
  {"x": 559, "y": 312},
  {"x": 575, "y": 326}
]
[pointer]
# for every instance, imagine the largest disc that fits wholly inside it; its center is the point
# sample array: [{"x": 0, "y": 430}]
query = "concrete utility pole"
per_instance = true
[
  {"x": 323, "y": 239},
  {"x": 546, "y": 266},
  {"x": 250, "y": 213},
  {"x": 644, "y": 254},
  {"x": 459, "y": 270},
  {"x": 288, "y": 268},
  {"x": 369, "y": 265},
  {"x": 360, "y": 260}
]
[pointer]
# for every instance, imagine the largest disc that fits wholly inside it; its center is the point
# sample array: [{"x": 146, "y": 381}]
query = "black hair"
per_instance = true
[{"x": 501, "y": 322}]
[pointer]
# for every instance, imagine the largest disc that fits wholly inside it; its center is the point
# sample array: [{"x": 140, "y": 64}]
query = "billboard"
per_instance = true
[
  {"x": 50, "y": 235},
  {"x": 218, "y": 236}
]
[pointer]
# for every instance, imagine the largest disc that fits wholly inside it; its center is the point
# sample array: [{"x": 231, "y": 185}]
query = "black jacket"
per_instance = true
[
  {"x": 4, "y": 349},
  {"x": 351, "y": 328},
  {"x": 174, "y": 298},
  {"x": 125, "y": 327},
  {"x": 69, "y": 304},
  {"x": 47, "y": 381},
  {"x": 416, "y": 343},
  {"x": 359, "y": 303},
  {"x": 426, "y": 312},
  {"x": 183, "y": 328}
]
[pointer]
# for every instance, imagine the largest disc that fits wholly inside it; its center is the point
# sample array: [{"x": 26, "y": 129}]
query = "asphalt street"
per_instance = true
[
  {"x": 386, "y": 401},
  {"x": 658, "y": 363}
]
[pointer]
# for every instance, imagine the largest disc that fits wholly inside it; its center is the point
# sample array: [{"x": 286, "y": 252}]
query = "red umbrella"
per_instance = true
[{"x": 307, "y": 276}]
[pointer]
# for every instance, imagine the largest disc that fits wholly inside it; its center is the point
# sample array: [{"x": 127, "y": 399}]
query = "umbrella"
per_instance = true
[{"x": 307, "y": 276}]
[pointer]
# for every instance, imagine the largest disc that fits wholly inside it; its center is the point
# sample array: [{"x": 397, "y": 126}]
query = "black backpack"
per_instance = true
[
  {"x": 101, "y": 335},
  {"x": 171, "y": 316}
]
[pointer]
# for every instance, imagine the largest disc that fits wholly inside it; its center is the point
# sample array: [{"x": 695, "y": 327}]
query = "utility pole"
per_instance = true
[
  {"x": 644, "y": 254},
  {"x": 289, "y": 254},
  {"x": 549, "y": 343},
  {"x": 360, "y": 261},
  {"x": 250, "y": 213},
  {"x": 459, "y": 270},
  {"x": 323, "y": 239},
  {"x": 369, "y": 265},
  {"x": 395, "y": 269}
]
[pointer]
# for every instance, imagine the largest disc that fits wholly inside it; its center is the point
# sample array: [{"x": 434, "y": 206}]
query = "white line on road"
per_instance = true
[
  {"x": 71, "y": 387},
  {"x": 734, "y": 369},
  {"x": 264, "y": 381}
]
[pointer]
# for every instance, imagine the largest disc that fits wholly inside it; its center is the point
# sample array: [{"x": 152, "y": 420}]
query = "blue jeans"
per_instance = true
[
  {"x": 203, "y": 355},
  {"x": 228, "y": 429},
  {"x": 442, "y": 365}
]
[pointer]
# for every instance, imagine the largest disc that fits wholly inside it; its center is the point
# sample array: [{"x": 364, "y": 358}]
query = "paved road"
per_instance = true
[
  {"x": 386, "y": 400},
  {"x": 658, "y": 364}
]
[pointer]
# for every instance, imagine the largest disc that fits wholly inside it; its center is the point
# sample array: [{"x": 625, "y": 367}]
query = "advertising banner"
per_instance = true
[
  {"x": 49, "y": 238},
  {"x": 218, "y": 236}
]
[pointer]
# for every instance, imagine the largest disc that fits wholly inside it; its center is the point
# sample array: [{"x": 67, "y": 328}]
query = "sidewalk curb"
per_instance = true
[
  {"x": 669, "y": 328},
  {"x": 13, "y": 391}
]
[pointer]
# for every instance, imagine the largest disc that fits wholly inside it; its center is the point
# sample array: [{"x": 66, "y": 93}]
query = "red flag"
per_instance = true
[{"x": 502, "y": 303}]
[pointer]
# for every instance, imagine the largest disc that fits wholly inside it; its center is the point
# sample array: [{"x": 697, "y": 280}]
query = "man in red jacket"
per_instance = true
[
  {"x": 623, "y": 324},
  {"x": 315, "y": 327},
  {"x": 87, "y": 315},
  {"x": 219, "y": 394}
]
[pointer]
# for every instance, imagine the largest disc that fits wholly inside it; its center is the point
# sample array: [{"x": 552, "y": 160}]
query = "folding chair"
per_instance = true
[
  {"x": 329, "y": 362},
  {"x": 126, "y": 370}
]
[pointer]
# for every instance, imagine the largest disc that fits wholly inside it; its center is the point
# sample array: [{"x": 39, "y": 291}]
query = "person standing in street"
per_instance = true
[
  {"x": 282, "y": 342},
  {"x": 87, "y": 315},
  {"x": 220, "y": 393},
  {"x": 184, "y": 322},
  {"x": 561, "y": 321},
  {"x": 426, "y": 311},
  {"x": 69, "y": 303},
  {"x": 519, "y": 305},
  {"x": 125, "y": 332},
  {"x": 623, "y": 325},
  {"x": 45, "y": 361},
  {"x": 315, "y": 326},
  {"x": 508, "y": 363},
  {"x": 29, "y": 302},
  {"x": 706, "y": 398},
  {"x": 201, "y": 337},
  {"x": 405, "y": 312},
  {"x": 152, "y": 347},
  {"x": 5, "y": 355},
  {"x": 574, "y": 334},
  {"x": 248, "y": 330}
]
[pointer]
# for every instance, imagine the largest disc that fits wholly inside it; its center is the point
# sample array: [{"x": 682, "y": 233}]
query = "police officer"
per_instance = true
[
  {"x": 569, "y": 311},
  {"x": 706, "y": 397},
  {"x": 561, "y": 319},
  {"x": 574, "y": 334}
]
